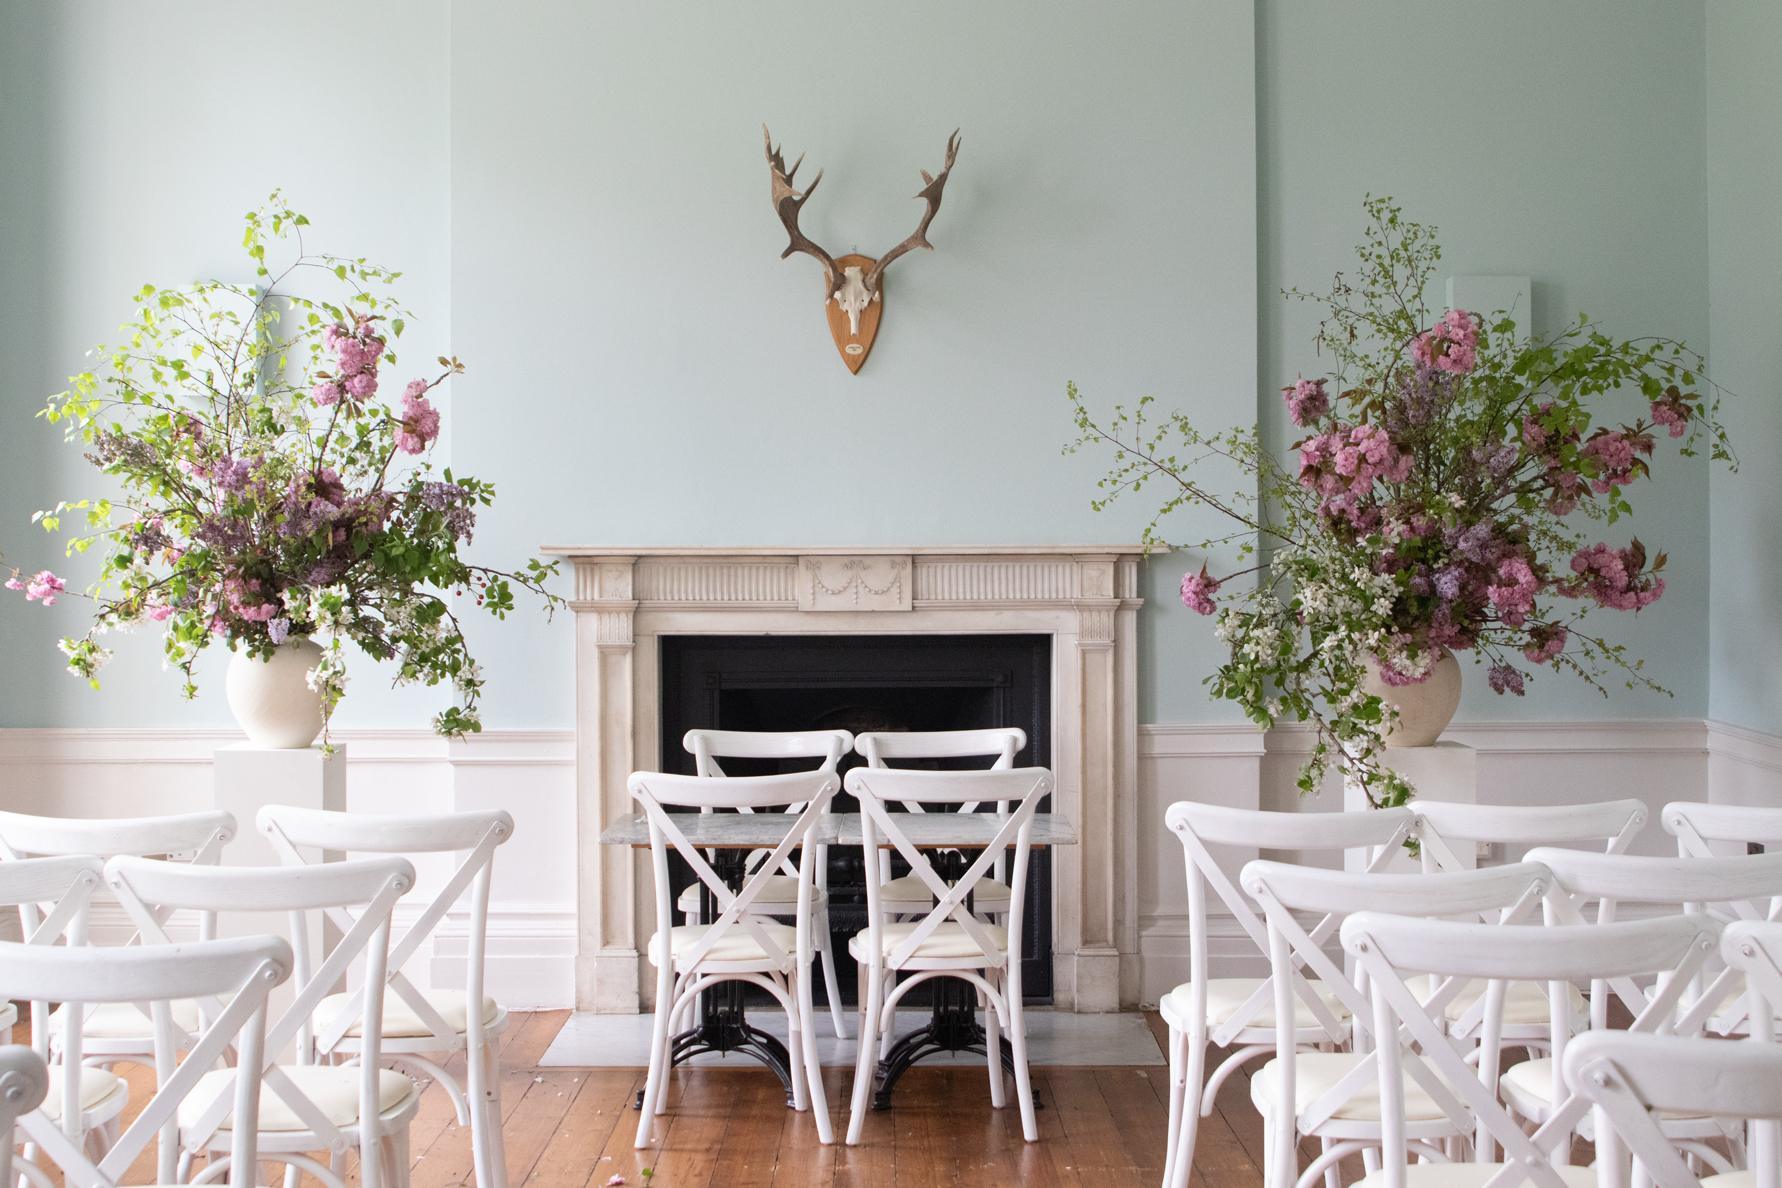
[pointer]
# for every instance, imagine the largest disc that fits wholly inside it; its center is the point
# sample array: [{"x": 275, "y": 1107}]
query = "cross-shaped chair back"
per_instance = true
[
  {"x": 1698, "y": 827},
  {"x": 656, "y": 791},
  {"x": 371, "y": 884},
  {"x": 875, "y": 788},
  {"x": 53, "y": 896},
  {"x": 474, "y": 836},
  {"x": 1000, "y": 743},
  {"x": 1202, "y": 826},
  {"x": 198, "y": 838},
  {"x": 709, "y": 746},
  {"x": 1628, "y": 1077},
  {"x": 1747, "y": 887},
  {"x": 1395, "y": 950},
  {"x": 1501, "y": 895},
  {"x": 237, "y": 973},
  {"x": 1612, "y": 824}
]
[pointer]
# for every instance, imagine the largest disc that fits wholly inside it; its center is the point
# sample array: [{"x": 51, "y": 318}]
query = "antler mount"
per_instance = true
[{"x": 852, "y": 285}]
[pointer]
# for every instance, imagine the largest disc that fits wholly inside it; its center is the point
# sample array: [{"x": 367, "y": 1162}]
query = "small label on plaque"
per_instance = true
[{"x": 876, "y": 583}]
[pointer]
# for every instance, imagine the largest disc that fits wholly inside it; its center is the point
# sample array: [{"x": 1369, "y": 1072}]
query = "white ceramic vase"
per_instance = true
[
  {"x": 1424, "y": 709},
  {"x": 272, "y": 700}
]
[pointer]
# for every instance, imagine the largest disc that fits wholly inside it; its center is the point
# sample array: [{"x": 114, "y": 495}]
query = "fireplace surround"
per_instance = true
[{"x": 1084, "y": 597}]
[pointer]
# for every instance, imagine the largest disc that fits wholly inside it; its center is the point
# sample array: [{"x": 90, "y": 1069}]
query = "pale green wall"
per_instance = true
[
  {"x": 1745, "y": 319},
  {"x": 1561, "y": 141},
  {"x": 578, "y": 196}
]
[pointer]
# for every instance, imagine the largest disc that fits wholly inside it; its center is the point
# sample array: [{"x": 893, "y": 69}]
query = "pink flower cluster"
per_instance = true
[
  {"x": 1514, "y": 592},
  {"x": 1341, "y": 465},
  {"x": 1450, "y": 345},
  {"x": 1671, "y": 410},
  {"x": 420, "y": 420},
  {"x": 1545, "y": 641},
  {"x": 1614, "y": 453},
  {"x": 1306, "y": 401},
  {"x": 1613, "y": 578},
  {"x": 356, "y": 353},
  {"x": 45, "y": 585},
  {"x": 1198, "y": 590},
  {"x": 239, "y": 589}
]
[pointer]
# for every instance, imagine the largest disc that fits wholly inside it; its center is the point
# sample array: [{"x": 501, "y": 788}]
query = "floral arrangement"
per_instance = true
[
  {"x": 1432, "y": 507},
  {"x": 267, "y": 494}
]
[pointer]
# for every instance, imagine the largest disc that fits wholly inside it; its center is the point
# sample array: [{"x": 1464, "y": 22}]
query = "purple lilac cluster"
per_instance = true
[{"x": 455, "y": 503}]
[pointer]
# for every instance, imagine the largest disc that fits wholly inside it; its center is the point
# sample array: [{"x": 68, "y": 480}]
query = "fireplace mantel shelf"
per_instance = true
[{"x": 1051, "y": 550}]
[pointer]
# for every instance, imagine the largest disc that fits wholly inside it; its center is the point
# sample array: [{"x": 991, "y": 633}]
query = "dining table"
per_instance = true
[{"x": 729, "y": 837}]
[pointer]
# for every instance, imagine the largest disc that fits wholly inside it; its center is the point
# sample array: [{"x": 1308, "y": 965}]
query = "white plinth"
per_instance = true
[
  {"x": 1447, "y": 771},
  {"x": 246, "y": 778}
]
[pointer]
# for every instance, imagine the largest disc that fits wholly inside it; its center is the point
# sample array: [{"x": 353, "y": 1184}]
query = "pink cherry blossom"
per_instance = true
[
  {"x": 1306, "y": 401},
  {"x": 326, "y": 392},
  {"x": 44, "y": 586},
  {"x": 419, "y": 424},
  {"x": 362, "y": 386},
  {"x": 1450, "y": 345},
  {"x": 1198, "y": 590},
  {"x": 1515, "y": 592}
]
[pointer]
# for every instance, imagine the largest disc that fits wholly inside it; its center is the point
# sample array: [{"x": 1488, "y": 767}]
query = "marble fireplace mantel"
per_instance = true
[{"x": 1084, "y": 596}]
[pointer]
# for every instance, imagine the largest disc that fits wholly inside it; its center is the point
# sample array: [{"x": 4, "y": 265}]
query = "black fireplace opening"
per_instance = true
[{"x": 864, "y": 683}]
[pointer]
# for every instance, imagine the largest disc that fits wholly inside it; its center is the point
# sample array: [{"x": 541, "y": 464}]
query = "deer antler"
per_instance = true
[
  {"x": 787, "y": 202},
  {"x": 931, "y": 193}
]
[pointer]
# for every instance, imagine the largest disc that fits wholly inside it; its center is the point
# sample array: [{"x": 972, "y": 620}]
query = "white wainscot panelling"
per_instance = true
[{"x": 531, "y": 774}]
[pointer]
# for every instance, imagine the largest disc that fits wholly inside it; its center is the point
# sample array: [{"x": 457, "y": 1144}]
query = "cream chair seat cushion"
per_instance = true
[
  {"x": 1534, "y": 1079},
  {"x": 122, "y": 1021},
  {"x": 949, "y": 940},
  {"x": 400, "y": 1020},
  {"x": 1226, "y": 995},
  {"x": 1738, "y": 1179},
  {"x": 780, "y": 889},
  {"x": 96, "y": 1086},
  {"x": 1317, "y": 1072},
  {"x": 737, "y": 944},
  {"x": 334, "y": 1089},
  {"x": 1525, "y": 1003},
  {"x": 1469, "y": 1175},
  {"x": 911, "y": 889}
]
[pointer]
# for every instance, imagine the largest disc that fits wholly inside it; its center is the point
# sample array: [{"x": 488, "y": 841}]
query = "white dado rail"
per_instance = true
[{"x": 1085, "y": 597}]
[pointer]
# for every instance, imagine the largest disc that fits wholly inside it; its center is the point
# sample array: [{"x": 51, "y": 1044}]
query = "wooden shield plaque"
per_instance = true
[{"x": 855, "y": 348}]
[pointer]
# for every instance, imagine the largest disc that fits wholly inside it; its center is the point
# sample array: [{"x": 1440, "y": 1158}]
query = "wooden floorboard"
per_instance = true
[{"x": 729, "y": 1127}]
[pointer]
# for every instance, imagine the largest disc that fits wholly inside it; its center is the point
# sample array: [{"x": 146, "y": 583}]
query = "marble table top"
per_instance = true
[{"x": 950, "y": 830}]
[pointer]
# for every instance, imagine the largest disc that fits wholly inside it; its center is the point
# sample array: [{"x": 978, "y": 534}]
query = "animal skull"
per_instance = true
[{"x": 853, "y": 297}]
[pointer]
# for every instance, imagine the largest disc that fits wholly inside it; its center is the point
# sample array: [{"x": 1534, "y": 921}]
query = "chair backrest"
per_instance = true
[
  {"x": 1696, "y": 826},
  {"x": 1003, "y": 743},
  {"x": 876, "y": 787},
  {"x": 1612, "y": 823},
  {"x": 371, "y": 884},
  {"x": 473, "y": 835},
  {"x": 1200, "y": 825},
  {"x": 656, "y": 791},
  {"x": 1395, "y": 949},
  {"x": 1505, "y": 895},
  {"x": 1627, "y": 1076},
  {"x": 240, "y": 972},
  {"x": 56, "y": 893},
  {"x": 202, "y": 835},
  {"x": 1723, "y": 887},
  {"x": 708, "y": 746}
]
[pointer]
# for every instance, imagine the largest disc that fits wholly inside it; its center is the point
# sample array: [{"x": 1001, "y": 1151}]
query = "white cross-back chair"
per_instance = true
[
  {"x": 117, "y": 1032},
  {"x": 909, "y": 895},
  {"x": 1397, "y": 950},
  {"x": 420, "y": 1022},
  {"x": 1336, "y": 1096},
  {"x": 1698, "y": 826},
  {"x": 304, "y": 1106},
  {"x": 237, "y": 974},
  {"x": 1444, "y": 830},
  {"x": 1629, "y": 1078},
  {"x": 53, "y": 896},
  {"x": 780, "y": 896},
  {"x": 949, "y": 940},
  {"x": 24, "y": 1083},
  {"x": 741, "y": 944},
  {"x": 1240, "y": 1012},
  {"x": 1741, "y": 886}
]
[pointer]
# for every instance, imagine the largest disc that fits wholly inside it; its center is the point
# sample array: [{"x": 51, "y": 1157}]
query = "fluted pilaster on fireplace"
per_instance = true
[{"x": 1085, "y": 597}]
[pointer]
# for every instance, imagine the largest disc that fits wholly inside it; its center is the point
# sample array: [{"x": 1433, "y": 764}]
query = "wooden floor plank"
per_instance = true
[{"x": 601, "y": 1107}]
